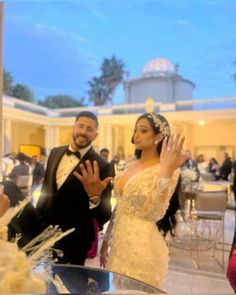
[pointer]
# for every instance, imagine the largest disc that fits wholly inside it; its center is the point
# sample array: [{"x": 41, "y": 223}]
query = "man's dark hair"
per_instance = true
[
  {"x": 87, "y": 114},
  {"x": 21, "y": 157},
  {"x": 104, "y": 150}
]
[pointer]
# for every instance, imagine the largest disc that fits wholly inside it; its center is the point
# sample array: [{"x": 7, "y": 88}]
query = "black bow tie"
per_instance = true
[{"x": 77, "y": 154}]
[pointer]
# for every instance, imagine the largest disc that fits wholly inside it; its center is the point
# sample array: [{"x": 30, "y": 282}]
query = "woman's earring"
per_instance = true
[{"x": 156, "y": 141}]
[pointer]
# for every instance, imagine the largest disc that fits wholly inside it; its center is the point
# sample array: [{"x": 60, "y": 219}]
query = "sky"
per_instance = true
[{"x": 56, "y": 47}]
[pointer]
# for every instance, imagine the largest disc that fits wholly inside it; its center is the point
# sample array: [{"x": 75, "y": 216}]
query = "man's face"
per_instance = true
[
  {"x": 84, "y": 132},
  {"x": 34, "y": 159},
  {"x": 104, "y": 155}
]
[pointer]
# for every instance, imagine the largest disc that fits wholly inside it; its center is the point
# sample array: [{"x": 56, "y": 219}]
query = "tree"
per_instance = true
[
  {"x": 102, "y": 88},
  {"x": 61, "y": 101},
  {"x": 98, "y": 94},
  {"x": 23, "y": 92},
  {"x": 112, "y": 73},
  {"x": 7, "y": 83}
]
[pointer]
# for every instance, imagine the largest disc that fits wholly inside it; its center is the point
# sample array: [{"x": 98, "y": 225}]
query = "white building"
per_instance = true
[{"x": 160, "y": 82}]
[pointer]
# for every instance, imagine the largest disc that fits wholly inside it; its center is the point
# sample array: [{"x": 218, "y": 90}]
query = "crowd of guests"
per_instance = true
[
  {"x": 23, "y": 170},
  {"x": 78, "y": 170},
  {"x": 223, "y": 171},
  {"x": 218, "y": 171}
]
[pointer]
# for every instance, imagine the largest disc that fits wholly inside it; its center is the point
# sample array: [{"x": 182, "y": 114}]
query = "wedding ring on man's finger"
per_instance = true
[{"x": 85, "y": 174}]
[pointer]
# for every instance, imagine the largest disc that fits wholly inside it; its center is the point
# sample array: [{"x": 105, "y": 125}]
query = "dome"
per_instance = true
[{"x": 158, "y": 67}]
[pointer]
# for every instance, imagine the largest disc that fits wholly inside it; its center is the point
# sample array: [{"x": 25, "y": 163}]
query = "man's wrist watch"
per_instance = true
[{"x": 95, "y": 200}]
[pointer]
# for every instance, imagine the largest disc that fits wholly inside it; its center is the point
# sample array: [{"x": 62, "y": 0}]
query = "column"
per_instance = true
[
  {"x": 108, "y": 129},
  {"x": 7, "y": 136},
  {"x": 101, "y": 137},
  {"x": 51, "y": 138}
]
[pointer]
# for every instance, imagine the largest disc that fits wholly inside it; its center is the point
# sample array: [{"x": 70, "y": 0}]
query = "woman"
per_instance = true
[
  {"x": 214, "y": 168},
  {"x": 144, "y": 190}
]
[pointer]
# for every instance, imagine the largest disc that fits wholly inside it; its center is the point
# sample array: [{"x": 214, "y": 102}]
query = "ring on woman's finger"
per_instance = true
[
  {"x": 85, "y": 174},
  {"x": 168, "y": 149}
]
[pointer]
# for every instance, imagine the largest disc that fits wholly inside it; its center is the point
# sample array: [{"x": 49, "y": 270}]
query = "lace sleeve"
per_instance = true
[
  {"x": 107, "y": 236},
  {"x": 157, "y": 200}
]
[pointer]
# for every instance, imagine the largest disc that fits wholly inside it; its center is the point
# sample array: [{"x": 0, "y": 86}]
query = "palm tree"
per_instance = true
[
  {"x": 112, "y": 73},
  {"x": 102, "y": 88},
  {"x": 98, "y": 94}
]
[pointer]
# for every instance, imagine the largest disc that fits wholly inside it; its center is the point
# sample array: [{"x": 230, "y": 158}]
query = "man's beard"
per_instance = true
[{"x": 81, "y": 146}]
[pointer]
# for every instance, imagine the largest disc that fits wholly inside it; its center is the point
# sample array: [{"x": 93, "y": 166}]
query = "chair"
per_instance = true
[
  {"x": 24, "y": 182},
  {"x": 209, "y": 210}
]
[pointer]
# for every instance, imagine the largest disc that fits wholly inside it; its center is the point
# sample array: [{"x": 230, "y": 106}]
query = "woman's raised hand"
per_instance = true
[{"x": 172, "y": 156}]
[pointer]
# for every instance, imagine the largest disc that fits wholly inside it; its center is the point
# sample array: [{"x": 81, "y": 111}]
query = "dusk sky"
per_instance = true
[{"x": 55, "y": 47}]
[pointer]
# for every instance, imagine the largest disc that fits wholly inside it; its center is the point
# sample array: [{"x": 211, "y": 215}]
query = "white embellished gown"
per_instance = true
[{"x": 137, "y": 248}]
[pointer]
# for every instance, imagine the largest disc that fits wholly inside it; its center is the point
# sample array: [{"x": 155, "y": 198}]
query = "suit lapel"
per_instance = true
[
  {"x": 54, "y": 165},
  {"x": 57, "y": 159},
  {"x": 88, "y": 156}
]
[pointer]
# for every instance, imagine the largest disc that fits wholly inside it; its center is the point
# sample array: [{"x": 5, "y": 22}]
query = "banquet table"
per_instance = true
[{"x": 87, "y": 280}]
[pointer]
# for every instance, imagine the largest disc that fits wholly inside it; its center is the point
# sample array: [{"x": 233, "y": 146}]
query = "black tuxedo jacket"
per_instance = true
[{"x": 68, "y": 207}]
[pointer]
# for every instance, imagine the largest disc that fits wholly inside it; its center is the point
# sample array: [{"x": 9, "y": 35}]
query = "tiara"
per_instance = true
[{"x": 162, "y": 125}]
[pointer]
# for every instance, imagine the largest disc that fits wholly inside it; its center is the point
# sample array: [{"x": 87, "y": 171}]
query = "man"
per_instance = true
[
  {"x": 64, "y": 199},
  {"x": 225, "y": 168},
  {"x": 23, "y": 168},
  {"x": 104, "y": 153},
  {"x": 191, "y": 164},
  {"x": 38, "y": 172},
  {"x": 21, "y": 174},
  {"x": 190, "y": 175}
]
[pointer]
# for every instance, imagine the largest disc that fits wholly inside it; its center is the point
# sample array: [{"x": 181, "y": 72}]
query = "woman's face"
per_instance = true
[{"x": 144, "y": 136}]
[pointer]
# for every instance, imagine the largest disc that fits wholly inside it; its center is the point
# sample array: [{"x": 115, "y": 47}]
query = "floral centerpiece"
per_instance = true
[
  {"x": 189, "y": 179},
  {"x": 188, "y": 175}
]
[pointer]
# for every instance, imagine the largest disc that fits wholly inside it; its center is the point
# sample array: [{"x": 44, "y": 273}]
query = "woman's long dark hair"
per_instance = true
[{"x": 168, "y": 222}]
